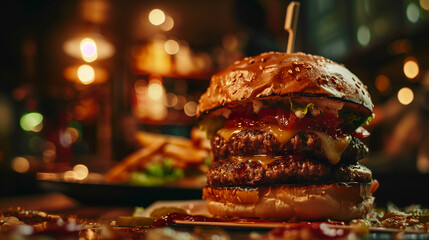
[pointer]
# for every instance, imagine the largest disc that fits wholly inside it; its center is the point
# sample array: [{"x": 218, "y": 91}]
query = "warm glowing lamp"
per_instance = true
[
  {"x": 88, "y": 50},
  {"x": 89, "y": 47},
  {"x": 86, "y": 74}
]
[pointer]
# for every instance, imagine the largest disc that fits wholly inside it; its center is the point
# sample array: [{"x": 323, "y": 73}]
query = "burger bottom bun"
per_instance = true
[{"x": 340, "y": 201}]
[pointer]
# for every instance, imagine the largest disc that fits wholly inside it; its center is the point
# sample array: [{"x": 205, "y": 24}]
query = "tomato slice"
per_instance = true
[
  {"x": 374, "y": 185},
  {"x": 361, "y": 132},
  {"x": 286, "y": 119},
  {"x": 241, "y": 120}
]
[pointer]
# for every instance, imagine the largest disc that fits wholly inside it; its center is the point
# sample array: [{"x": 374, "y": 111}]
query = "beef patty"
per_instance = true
[
  {"x": 284, "y": 170},
  {"x": 249, "y": 142}
]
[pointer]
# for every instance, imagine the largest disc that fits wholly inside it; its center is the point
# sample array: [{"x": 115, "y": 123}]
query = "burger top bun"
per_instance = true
[{"x": 284, "y": 74}]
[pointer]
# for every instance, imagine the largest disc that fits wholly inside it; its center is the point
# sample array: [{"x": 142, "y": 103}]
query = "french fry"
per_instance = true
[
  {"x": 118, "y": 172},
  {"x": 188, "y": 155},
  {"x": 154, "y": 158},
  {"x": 180, "y": 141},
  {"x": 147, "y": 138},
  {"x": 156, "y": 147},
  {"x": 178, "y": 164}
]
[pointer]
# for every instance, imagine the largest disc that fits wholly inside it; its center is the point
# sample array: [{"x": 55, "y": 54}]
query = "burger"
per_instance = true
[{"x": 286, "y": 137}]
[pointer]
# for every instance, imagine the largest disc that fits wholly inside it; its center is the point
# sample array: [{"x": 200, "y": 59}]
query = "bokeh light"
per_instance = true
[
  {"x": 32, "y": 121},
  {"x": 411, "y": 68},
  {"x": 230, "y": 42},
  {"x": 36, "y": 143},
  {"x": 81, "y": 171},
  {"x": 405, "y": 96},
  {"x": 190, "y": 108},
  {"x": 424, "y": 4},
  {"x": 157, "y": 17},
  {"x": 363, "y": 35},
  {"x": 50, "y": 153},
  {"x": 181, "y": 101},
  {"x": 171, "y": 47},
  {"x": 68, "y": 136},
  {"x": 401, "y": 46},
  {"x": 69, "y": 176},
  {"x": 88, "y": 49},
  {"x": 20, "y": 165},
  {"x": 168, "y": 24},
  {"x": 382, "y": 83},
  {"x": 86, "y": 74},
  {"x": 140, "y": 86},
  {"x": 7, "y": 121},
  {"x": 170, "y": 100},
  {"x": 413, "y": 13},
  {"x": 155, "y": 89}
]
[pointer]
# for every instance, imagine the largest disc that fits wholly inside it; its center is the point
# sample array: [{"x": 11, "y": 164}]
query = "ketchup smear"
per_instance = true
[
  {"x": 321, "y": 230},
  {"x": 170, "y": 218},
  {"x": 318, "y": 230}
]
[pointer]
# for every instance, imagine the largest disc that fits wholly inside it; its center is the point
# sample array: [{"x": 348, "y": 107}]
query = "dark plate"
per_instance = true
[{"x": 119, "y": 194}]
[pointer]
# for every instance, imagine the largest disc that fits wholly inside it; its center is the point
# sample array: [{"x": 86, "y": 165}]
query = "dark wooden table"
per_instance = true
[{"x": 59, "y": 204}]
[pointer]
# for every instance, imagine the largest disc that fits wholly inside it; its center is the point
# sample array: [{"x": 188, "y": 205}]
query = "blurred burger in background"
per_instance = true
[{"x": 285, "y": 132}]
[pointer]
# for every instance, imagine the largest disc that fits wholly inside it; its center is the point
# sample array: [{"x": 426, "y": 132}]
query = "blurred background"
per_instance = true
[{"x": 79, "y": 78}]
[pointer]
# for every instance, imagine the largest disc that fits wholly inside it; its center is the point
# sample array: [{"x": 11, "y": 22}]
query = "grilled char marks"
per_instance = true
[
  {"x": 250, "y": 142},
  {"x": 287, "y": 170}
]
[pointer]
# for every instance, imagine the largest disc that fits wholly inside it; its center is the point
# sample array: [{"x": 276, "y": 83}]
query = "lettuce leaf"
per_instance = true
[
  {"x": 138, "y": 211},
  {"x": 157, "y": 174},
  {"x": 299, "y": 109},
  {"x": 368, "y": 119},
  {"x": 352, "y": 120},
  {"x": 211, "y": 125}
]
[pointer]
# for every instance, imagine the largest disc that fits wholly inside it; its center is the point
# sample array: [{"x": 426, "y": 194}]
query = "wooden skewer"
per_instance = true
[{"x": 290, "y": 24}]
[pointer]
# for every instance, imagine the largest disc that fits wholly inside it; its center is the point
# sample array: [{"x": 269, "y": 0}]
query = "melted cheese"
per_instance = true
[
  {"x": 261, "y": 159},
  {"x": 282, "y": 135},
  {"x": 333, "y": 148},
  {"x": 226, "y": 133}
]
